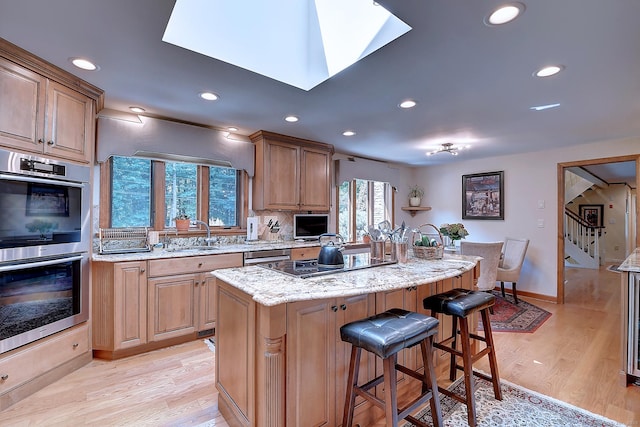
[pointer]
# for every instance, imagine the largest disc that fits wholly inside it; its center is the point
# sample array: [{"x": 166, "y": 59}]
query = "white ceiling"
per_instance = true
[{"x": 472, "y": 82}]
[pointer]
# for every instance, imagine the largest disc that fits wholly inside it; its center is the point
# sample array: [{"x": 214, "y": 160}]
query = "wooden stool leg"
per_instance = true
[
  {"x": 468, "y": 371},
  {"x": 430, "y": 381},
  {"x": 352, "y": 382},
  {"x": 454, "y": 333},
  {"x": 493, "y": 362},
  {"x": 390, "y": 395}
]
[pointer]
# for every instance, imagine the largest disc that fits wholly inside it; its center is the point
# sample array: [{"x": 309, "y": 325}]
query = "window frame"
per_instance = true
[
  {"x": 158, "y": 199},
  {"x": 389, "y": 193}
]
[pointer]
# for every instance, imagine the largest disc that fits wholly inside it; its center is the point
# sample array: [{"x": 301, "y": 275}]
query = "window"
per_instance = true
[
  {"x": 362, "y": 203},
  {"x": 130, "y": 192},
  {"x": 207, "y": 193}
]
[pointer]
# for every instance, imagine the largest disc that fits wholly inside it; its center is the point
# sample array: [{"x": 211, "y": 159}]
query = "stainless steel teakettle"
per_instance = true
[{"x": 331, "y": 251}]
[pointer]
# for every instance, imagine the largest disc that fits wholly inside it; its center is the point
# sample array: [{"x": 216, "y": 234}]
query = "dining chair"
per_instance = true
[
  {"x": 490, "y": 253},
  {"x": 511, "y": 264}
]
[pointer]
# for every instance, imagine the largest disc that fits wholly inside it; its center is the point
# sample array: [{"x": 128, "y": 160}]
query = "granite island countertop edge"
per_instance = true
[{"x": 271, "y": 288}]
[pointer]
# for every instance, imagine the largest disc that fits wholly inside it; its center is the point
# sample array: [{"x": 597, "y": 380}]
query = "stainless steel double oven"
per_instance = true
[{"x": 45, "y": 242}]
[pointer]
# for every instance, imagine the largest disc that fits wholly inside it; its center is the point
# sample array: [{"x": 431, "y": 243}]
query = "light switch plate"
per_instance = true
[{"x": 541, "y": 223}]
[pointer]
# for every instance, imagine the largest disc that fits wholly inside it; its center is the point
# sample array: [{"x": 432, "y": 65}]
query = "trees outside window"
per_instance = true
[{"x": 362, "y": 203}]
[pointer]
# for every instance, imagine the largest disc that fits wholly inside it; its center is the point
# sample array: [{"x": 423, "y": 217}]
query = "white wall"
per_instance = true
[{"x": 529, "y": 179}]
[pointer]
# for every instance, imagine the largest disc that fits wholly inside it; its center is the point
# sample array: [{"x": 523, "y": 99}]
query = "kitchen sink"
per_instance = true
[{"x": 194, "y": 249}]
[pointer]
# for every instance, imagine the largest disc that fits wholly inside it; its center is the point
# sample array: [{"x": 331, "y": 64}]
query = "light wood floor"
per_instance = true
[{"x": 572, "y": 357}]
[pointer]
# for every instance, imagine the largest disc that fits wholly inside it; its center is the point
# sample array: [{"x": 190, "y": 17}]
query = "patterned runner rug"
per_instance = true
[
  {"x": 518, "y": 407},
  {"x": 509, "y": 317}
]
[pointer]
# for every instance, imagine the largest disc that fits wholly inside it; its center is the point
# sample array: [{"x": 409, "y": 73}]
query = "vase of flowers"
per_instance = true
[
  {"x": 453, "y": 232},
  {"x": 415, "y": 195}
]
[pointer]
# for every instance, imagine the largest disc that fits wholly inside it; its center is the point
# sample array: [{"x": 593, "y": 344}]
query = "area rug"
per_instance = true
[
  {"x": 510, "y": 317},
  {"x": 518, "y": 407}
]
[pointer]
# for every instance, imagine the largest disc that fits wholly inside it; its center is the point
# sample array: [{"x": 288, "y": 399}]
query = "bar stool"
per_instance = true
[
  {"x": 384, "y": 335},
  {"x": 460, "y": 304}
]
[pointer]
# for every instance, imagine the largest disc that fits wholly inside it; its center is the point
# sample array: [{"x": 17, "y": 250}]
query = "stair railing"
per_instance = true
[{"x": 582, "y": 234}]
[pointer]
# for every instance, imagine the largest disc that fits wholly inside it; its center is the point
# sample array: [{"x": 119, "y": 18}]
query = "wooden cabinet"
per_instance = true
[
  {"x": 318, "y": 360},
  {"x": 142, "y": 305},
  {"x": 119, "y": 305},
  {"x": 44, "y": 110},
  {"x": 291, "y": 173},
  {"x": 305, "y": 253},
  {"x": 27, "y": 369}
]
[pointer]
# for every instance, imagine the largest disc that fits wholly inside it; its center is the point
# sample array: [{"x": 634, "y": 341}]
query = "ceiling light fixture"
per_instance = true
[
  {"x": 348, "y": 133},
  {"x": 291, "y": 119},
  {"x": 137, "y": 109},
  {"x": 549, "y": 71},
  {"x": 84, "y": 64},
  {"x": 544, "y": 107},
  {"x": 409, "y": 103},
  {"x": 504, "y": 14},
  {"x": 448, "y": 147},
  {"x": 209, "y": 96},
  {"x": 232, "y": 129}
]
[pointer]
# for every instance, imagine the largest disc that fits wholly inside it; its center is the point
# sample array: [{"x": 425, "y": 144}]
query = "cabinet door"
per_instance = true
[
  {"x": 21, "y": 107},
  {"x": 315, "y": 181},
  {"x": 311, "y": 356},
  {"x": 349, "y": 310},
  {"x": 207, "y": 312},
  {"x": 172, "y": 306},
  {"x": 282, "y": 176},
  {"x": 130, "y": 301},
  {"x": 69, "y": 124}
]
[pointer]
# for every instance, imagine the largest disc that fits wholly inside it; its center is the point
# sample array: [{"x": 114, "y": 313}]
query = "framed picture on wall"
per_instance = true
[
  {"x": 483, "y": 196},
  {"x": 592, "y": 214}
]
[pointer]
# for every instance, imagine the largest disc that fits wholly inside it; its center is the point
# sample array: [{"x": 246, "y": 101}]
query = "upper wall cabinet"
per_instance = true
[
  {"x": 291, "y": 173},
  {"x": 45, "y": 110}
]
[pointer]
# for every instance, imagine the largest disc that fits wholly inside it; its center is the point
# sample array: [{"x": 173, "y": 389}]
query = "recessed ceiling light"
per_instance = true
[
  {"x": 409, "y": 103},
  {"x": 232, "y": 129},
  {"x": 209, "y": 96},
  {"x": 544, "y": 107},
  {"x": 348, "y": 133},
  {"x": 549, "y": 71},
  {"x": 85, "y": 64},
  {"x": 504, "y": 14},
  {"x": 291, "y": 119},
  {"x": 137, "y": 109}
]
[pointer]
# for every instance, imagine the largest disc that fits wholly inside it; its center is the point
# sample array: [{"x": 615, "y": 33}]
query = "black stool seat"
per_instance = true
[
  {"x": 389, "y": 332},
  {"x": 385, "y": 335},
  {"x": 459, "y": 302}
]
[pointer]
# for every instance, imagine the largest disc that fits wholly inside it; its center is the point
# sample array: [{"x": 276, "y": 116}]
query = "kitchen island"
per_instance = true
[
  {"x": 630, "y": 313},
  {"x": 279, "y": 357}
]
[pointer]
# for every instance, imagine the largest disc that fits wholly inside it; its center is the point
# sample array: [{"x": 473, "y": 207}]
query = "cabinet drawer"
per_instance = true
[
  {"x": 196, "y": 264},
  {"x": 24, "y": 365},
  {"x": 305, "y": 253}
]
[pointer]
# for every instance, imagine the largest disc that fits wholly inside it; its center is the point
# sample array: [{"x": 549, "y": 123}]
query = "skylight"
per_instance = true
[{"x": 301, "y": 43}]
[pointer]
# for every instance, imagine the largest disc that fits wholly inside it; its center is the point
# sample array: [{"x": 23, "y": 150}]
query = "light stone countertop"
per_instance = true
[
  {"x": 210, "y": 250},
  {"x": 632, "y": 263},
  {"x": 270, "y": 288}
]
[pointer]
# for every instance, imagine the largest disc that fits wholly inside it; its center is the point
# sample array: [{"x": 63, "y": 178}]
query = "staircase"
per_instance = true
[{"x": 581, "y": 242}]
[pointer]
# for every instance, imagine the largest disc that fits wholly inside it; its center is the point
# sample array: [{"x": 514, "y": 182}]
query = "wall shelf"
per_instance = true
[{"x": 415, "y": 209}]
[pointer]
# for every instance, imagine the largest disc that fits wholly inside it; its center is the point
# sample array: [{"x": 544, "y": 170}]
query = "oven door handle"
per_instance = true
[
  {"x": 41, "y": 180},
  {"x": 39, "y": 263}
]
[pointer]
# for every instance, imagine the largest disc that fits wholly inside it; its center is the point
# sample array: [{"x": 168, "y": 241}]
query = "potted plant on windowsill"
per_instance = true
[
  {"x": 415, "y": 195},
  {"x": 182, "y": 222}
]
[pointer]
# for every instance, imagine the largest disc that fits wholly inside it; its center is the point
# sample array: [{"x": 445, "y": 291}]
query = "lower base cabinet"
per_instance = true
[
  {"x": 142, "y": 305},
  {"x": 287, "y": 364}
]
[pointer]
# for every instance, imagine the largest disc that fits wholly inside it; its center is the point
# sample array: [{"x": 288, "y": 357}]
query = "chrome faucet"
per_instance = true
[{"x": 208, "y": 240}]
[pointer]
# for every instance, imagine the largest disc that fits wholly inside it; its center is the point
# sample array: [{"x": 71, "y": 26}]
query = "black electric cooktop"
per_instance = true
[{"x": 310, "y": 268}]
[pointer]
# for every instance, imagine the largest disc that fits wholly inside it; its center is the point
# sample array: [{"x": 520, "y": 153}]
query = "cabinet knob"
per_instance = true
[
  {"x": 40, "y": 141},
  {"x": 142, "y": 270},
  {"x": 197, "y": 283},
  {"x": 4, "y": 377},
  {"x": 199, "y": 265},
  {"x": 334, "y": 308},
  {"x": 75, "y": 345},
  {"x": 51, "y": 143},
  {"x": 343, "y": 307}
]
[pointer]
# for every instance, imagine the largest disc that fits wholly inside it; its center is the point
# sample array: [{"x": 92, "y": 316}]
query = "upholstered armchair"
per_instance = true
[
  {"x": 511, "y": 264},
  {"x": 490, "y": 253}
]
